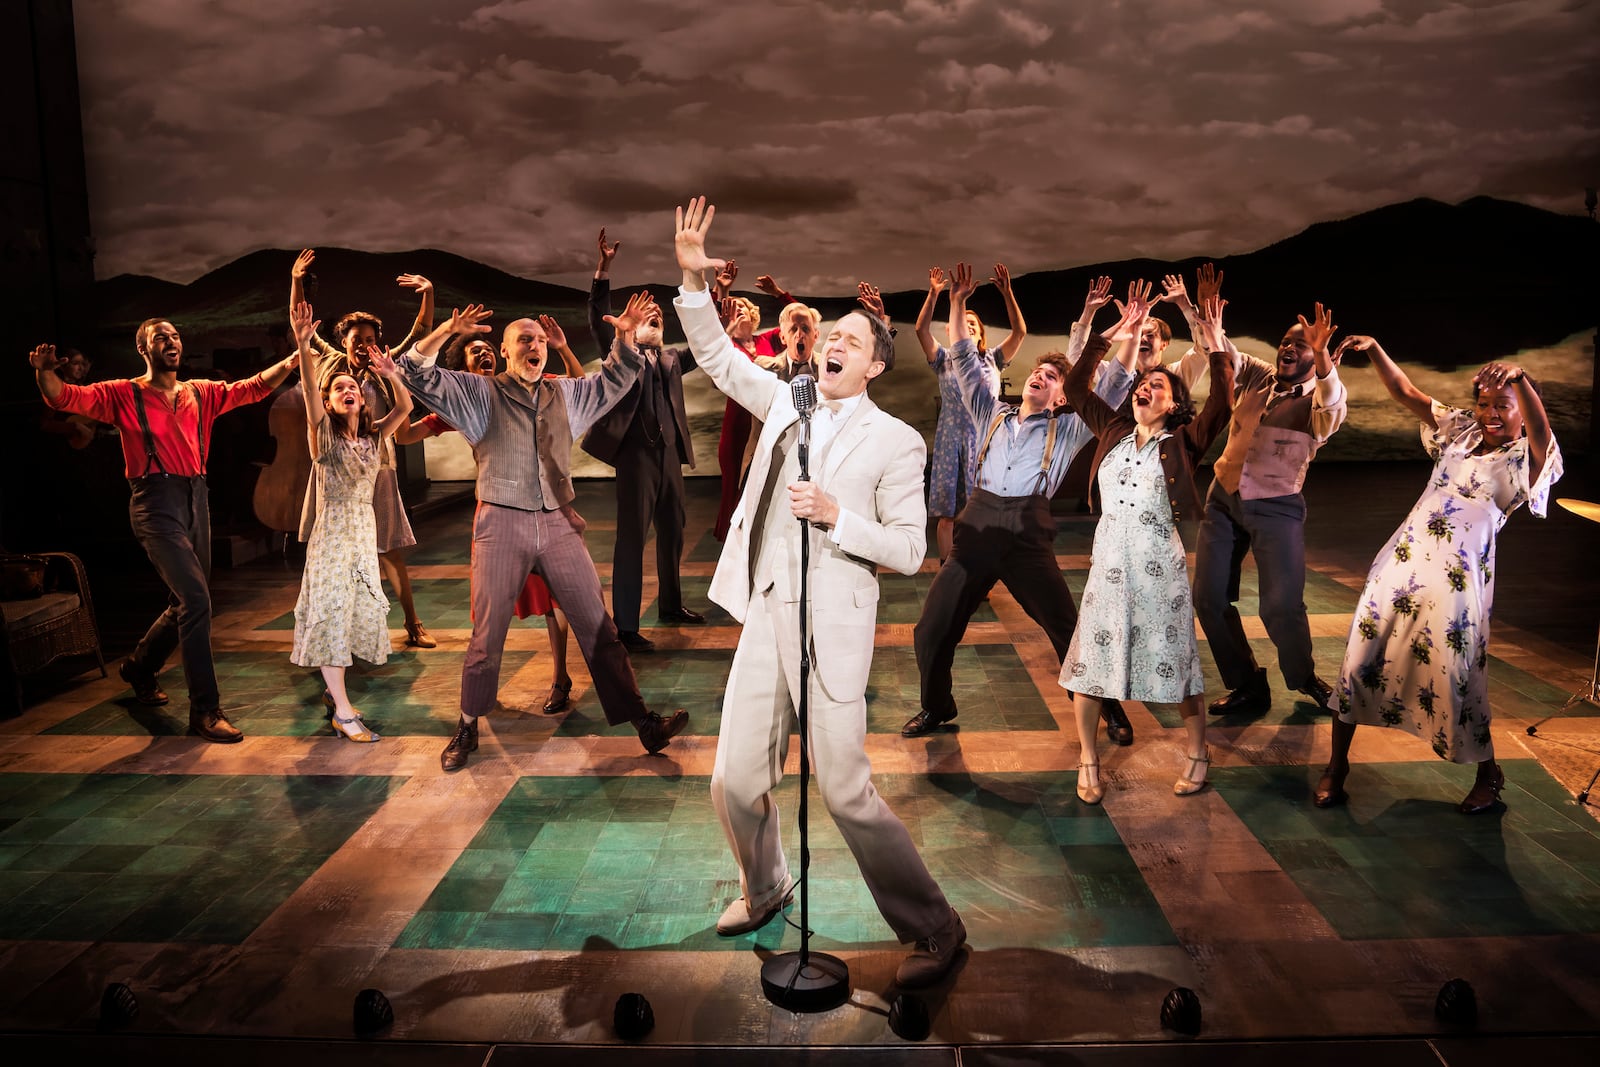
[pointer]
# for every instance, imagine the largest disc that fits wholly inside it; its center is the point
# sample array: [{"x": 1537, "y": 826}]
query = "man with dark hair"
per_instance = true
[
  {"x": 360, "y": 333},
  {"x": 166, "y": 429},
  {"x": 646, "y": 438},
  {"x": 863, "y": 510},
  {"x": 521, "y": 425},
  {"x": 1006, "y": 532}
]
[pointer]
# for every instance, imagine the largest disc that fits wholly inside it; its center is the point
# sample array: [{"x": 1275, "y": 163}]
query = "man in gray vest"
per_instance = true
[{"x": 521, "y": 426}]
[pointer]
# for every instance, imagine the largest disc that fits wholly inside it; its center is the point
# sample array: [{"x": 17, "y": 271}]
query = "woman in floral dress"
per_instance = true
[
  {"x": 1419, "y": 643},
  {"x": 1135, "y": 637},
  {"x": 342, "y": 611}
]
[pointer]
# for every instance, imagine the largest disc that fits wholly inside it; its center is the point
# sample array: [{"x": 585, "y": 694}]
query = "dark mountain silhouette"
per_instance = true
[{"x": 1438, "y": 284}]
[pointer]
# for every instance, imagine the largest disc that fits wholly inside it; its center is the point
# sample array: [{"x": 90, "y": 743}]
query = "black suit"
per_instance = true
[{"x": 646, "y": 438}]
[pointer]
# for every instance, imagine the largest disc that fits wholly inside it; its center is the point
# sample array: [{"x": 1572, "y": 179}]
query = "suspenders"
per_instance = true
[
  {"x": 151, "y": 459},
  {"x": 1049, "y": 448}
]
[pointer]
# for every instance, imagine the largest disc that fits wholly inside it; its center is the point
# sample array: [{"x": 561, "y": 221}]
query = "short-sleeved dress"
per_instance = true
[
  {"x": 1135, "y": 637},
  {"x": 955, "y": 438},
  {"x": 1419, "y": 643},
  {"x": 342, "y": 611}
]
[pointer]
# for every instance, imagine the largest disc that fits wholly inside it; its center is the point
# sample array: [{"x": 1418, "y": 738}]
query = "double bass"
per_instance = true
[{"x": 281, "y": 488}]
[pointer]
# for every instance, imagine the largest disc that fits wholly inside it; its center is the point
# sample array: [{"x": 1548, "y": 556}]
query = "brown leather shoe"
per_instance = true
[
  {"x": 933, "y": 955},
  {"x": 655, "y": 732},
  {"x": 417, "y": 636},
  {"x": 465, "y": 742},
  {"x": 682, "y": 617},
  {"x": 739, "y": 919},
  {"x": 146, "y": 690},
  {"x": 213, "y": 726},
  {"x": 925, "y": 722}
]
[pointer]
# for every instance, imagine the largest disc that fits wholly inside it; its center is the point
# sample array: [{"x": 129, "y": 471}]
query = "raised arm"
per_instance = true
[
  {"x": 558, "y": 341},
  {"x": 44, "y": 363},
  {"x": 1126, "y": 328},
  {"x": 297, "y": 293},
  {"x": 725, "y": 279},
  {"x": 924, "y": 327},
  {"x": 400, "y": 414},
  {"x": 871, "y": 300},
  {"x": 600, "y": 295},
  {"x": 473, "y": 320},
  {"x": 1019, "y": 328},
  {"x": 1406, "y": 394},
  {"x": 767, "y": 285},
  {"x": 1536, "y": 423},
  {"x": 424, "y": 320},
  {"x": 304, "y": 323}
]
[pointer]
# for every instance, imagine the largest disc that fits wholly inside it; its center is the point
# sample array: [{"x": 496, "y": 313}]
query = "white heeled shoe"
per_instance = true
[{"x": 1194, "y": 775}]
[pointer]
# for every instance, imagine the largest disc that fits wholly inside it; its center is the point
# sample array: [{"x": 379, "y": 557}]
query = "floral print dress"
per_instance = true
[
  {"x": 955, "y": 438},
  {"x": 1135, "y": 637},
  {"x": 342, "y": 610},
  {"x": 1419, "y": 643}
]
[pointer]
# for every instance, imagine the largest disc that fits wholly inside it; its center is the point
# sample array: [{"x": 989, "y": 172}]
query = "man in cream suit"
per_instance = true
[{"x": 866, "y": 511}]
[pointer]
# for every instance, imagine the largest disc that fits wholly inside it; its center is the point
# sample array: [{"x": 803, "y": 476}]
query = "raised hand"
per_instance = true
[
  {"x": 962, "y": 284},
  {"x": 870, "y": 298},
  {"x": 607, "y": 252},
  {"x": 303, "y": 323},
  {"x": 726, "y": 277},
  {"x": 1174, "y": 291},
  {"x": 1099, "y": 296},
  {"x": 767, "y": 284},
  {"x": 1494, "y": 375},
  {"x": 641, "y": 305},
  {"x": 937, "y": 281},
  {"x": 689, "y": 242},
  {"x": 1207, "y": 281},
  {"x": 1001, "y": 278},
  {"x": 302, "y": 263},
  {"x": 553, "y": 331},
  {"x": 1319, "y": 329},
  {"x": 1134, "y": 312},
  {"x": 1209, "y": 316},
  {"x": 472, "y": 320},
  {"x": 416, "y": 282},
  {"x": 383, "y": 363},
  {"x": 1356, "y": 342},
  {"x": 43, "y": 357}
]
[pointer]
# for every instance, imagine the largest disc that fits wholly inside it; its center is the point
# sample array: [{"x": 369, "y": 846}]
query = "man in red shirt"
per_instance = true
[{"x": 166, "y": 429}]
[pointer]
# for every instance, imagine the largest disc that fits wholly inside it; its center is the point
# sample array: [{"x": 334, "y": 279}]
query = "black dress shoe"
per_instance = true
[
  {"x": 212, "y": 725},
  {"x": 1254, "y": 697},
  {"x": 925, "y": 722},
  {"x": 1319, "y": 693},
  {"x": 145, "y": 688},
  {"x": 682, "y": 616},
  {"x": 655, "y": 732},
  {"x": 634, "y": 641},
  {"x": 560, "y": 698},
  {"x": 465, "y": 742},
  {"x": 1118, "y": 728}
]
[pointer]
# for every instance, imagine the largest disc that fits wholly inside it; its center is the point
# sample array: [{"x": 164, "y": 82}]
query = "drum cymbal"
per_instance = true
[{"x": 1581, "y": 508}]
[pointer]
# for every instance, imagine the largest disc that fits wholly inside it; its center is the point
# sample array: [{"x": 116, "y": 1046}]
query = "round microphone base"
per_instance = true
[{"x": 822, "y": 983}]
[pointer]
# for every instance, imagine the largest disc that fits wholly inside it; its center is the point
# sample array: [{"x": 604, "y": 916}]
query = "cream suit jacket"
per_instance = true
[{"x": 872, "y": 469}]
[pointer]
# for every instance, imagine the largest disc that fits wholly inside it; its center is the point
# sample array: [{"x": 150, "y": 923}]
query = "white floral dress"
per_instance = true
[
  {"x": 342, "y": 610},
  {"x": 1419, "y": 643},
  {"x": 1135, "y": 636}
]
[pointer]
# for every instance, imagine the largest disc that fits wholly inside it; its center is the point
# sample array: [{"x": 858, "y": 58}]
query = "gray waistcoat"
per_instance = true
[{"x": 507, "y": 451}]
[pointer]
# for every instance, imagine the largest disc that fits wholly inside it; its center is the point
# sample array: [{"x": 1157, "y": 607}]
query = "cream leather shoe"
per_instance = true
[{"x": 739, "y": 919}]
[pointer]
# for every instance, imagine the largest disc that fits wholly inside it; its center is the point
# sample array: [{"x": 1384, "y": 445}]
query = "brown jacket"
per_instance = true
[{"x": 1180, "y": 452}]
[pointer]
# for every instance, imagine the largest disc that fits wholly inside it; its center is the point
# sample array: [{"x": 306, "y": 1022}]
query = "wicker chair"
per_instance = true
[{"x": 59, "y": 622}]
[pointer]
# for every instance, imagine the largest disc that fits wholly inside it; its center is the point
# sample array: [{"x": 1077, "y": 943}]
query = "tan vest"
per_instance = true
[{"x": 515, "y": 438}]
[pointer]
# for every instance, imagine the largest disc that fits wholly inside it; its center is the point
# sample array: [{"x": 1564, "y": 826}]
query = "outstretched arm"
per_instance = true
[
  {"x": 924, "y": 326},
  {"x": 471, "y": 321},
  {"x": 1019, "y": 328},
  {"x": 297, "y": 293},
  {"x": 304, "y": 323},
  {"x": 1393, "y": 378},
  {"x": 424, "y": 320}
]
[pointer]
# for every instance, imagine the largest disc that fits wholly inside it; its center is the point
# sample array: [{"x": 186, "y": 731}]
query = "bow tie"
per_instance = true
[{"x": 832, "y": 407}]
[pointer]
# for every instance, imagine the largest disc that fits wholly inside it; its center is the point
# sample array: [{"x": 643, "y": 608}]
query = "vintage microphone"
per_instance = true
[{"x": 805, "y": 980}]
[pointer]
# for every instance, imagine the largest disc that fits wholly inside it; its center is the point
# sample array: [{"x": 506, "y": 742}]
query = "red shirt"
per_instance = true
[{"x": 178, "y": 430}]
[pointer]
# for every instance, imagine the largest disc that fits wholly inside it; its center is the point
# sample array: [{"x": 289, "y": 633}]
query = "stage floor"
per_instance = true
[{"x": 251, "y": 890}]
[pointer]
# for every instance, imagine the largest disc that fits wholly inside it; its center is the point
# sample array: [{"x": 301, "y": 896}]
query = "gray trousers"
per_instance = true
[
  {"x": 508, "y": 543},
  {"x": 1274, "y": 530}
]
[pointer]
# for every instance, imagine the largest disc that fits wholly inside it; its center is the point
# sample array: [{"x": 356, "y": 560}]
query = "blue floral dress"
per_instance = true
[
  {"x": 1419, "y": 643},
  {"x": 1135, "y": 637},
  {"x": 955, "y": 438}
]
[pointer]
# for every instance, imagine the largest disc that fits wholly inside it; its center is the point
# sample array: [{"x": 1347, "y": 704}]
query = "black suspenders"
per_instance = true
[{"x": 151, "y": 459}]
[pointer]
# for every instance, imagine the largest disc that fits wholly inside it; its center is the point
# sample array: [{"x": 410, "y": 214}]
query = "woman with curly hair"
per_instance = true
[
  {"x": 1135, "y": 637},
  {"x": 1419, "y": 643}
]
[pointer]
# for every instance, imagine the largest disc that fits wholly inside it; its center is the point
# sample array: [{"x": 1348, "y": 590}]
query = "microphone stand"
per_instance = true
[{"x": 805, "y": 981}]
